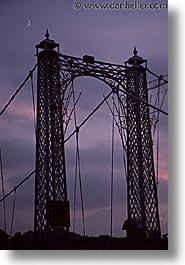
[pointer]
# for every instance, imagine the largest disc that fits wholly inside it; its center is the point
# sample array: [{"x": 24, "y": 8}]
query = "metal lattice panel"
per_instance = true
[
  {"x": 142, "y": 191},
  {"x": 113, "y": 75},
  {"x": 50, "y": 160}
]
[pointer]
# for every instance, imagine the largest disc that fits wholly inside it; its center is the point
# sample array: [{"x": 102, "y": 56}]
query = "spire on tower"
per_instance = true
[
  {"x": 135, "y": 52},
  {"x": 47, "y": 34},
  {"x": 136, "y": 60},
  {"x": 47, "y": 44}
]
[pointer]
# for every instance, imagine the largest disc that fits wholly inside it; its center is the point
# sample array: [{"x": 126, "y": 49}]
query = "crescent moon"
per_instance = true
[{"x": 29, "y": 23}]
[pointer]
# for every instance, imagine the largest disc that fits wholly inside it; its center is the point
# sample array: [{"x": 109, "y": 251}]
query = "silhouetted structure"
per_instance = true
[
  {"x": 134, "y": 229},
  {"x": 51, "y": 204},
  {"x": 141, "y": 183},
  {"x": 27, "y": 241},
  {"x": 3, "y": 239}
]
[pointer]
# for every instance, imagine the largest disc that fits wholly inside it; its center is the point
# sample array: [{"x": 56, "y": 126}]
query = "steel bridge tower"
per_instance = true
[
  {"x": 51, "y": 204},
  {"x": 141, "y": 183}
]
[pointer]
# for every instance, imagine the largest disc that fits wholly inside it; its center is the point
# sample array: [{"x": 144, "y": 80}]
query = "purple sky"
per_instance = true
[{"x": 108, "y": 35}]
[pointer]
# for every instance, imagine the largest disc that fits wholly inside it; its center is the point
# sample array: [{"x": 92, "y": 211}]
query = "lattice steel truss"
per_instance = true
[
  {"x": 71, "y": 67},
  {"x": 50, "y": 180},
  {"x": 55, "y": 73},
  {"x": 141, "y": 183}
]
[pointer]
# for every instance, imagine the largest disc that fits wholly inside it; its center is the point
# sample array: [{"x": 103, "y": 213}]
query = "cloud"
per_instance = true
[
  {"x": 109, "y": 36},
  {"x": 96, "y": 193}
]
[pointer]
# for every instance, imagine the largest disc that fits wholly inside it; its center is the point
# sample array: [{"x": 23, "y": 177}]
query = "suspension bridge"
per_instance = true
[{"x": 135, "y": 106}]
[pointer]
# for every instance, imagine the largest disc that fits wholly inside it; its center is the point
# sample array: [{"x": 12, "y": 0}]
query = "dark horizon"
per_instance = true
[{"x": 108, "y": 36}]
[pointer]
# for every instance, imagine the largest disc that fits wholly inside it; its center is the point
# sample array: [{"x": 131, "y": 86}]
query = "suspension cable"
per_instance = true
[
  {"x": 112, "y": 172},
  {"x": 3, "y": 192},
  {"x": 74, "y": 198},
  {"x": 84, "y": 121},
  {"x": 162, "y": 102},
  {"x": 154, "y": 112},
  {"x": 71, "y": 112},
  {"x": 16, "y": 187},
  {"x": 157, "y": 127},
  {"x": 158, "y": 134},
  {"x": 88, "y": 117},
  {"x": 81, "y": 192},
  {"x": 123, "y": 134},
  {"x": 78, "y": 162},
  {"x": 68, "y": 98},
  {"x": 120, "y": 130},
  {"x": 149, "y": 105},
  {"x": 18, "y": 90},
  {"x": 76, "y": 167},
  {"x": 158, "y": 76},
  {"x": 13, "y": 212},
  {"x": 164, "y": 95},
  {"x": 33, "y": 102}
]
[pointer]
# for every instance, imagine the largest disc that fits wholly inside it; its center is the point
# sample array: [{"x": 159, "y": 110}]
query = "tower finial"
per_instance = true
[
  {"x": 47, "y": 34},
  {"x": 135, "y": 52}
]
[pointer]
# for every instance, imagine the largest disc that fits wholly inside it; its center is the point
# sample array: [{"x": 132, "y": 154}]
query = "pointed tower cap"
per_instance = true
[
  {"x": 135, "y": 59},
  {"x": 47, "y": 34},
  {"x": 47, "y": 44},
  {"x": 135, "y": 52}
]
